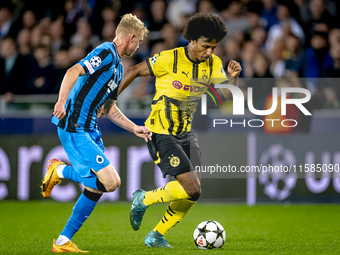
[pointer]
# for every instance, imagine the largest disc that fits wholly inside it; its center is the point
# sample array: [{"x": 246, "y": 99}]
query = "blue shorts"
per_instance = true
[{"x": 85, "y": 151}]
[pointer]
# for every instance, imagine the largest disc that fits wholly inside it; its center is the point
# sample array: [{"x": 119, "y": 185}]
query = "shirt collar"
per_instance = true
[{"x": 187, "y": 55}]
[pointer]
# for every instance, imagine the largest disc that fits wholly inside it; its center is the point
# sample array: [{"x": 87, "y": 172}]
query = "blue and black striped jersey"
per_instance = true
[{"x": 104, "y": 71}]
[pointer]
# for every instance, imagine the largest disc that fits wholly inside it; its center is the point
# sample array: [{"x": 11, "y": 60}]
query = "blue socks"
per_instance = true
[
  {"x": 81, "y": 211},
  {"x": 85, "y": 204},
  {"x": 91, "y": 182}
]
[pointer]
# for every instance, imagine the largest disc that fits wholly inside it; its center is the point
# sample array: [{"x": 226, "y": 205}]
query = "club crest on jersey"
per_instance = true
[
  {"x": 174, "y": 161},
  {"x": 99, "y": 159},
  {"x": 204, "y": 75},
  {"x": 95, "y": 61}
]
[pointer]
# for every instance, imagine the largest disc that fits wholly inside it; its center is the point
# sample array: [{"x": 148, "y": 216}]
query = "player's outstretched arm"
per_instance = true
[
  {"x": 116, "y": 116},
  {"x": 234, "y": 70},
  {"x": 68, "y": 82},
  {"x": 140, "y": 69}
]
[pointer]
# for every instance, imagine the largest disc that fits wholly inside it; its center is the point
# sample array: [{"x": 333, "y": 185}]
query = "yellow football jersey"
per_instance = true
[{"x": 179, "y": 87}]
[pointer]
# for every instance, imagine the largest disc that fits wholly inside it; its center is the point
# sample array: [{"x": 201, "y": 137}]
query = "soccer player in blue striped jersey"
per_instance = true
[{"x": 88, "y": 86}]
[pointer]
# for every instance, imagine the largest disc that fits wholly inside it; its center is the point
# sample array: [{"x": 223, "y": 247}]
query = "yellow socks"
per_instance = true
[
  {"x": 172, "y": 191},
  {"x": 174, "y": 214}
]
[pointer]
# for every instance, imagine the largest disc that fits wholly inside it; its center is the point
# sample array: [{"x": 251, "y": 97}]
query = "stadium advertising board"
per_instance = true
[
  {"x": 23, "y": 161},
  {"x": 290, "y": 165}
]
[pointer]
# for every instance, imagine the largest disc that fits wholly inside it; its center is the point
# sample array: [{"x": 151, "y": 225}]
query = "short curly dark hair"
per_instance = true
[{"x": 207, "y": 25}]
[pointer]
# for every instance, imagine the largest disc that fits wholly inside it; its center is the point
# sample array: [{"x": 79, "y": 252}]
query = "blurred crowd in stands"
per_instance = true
[{"x": 40, "y": 40}]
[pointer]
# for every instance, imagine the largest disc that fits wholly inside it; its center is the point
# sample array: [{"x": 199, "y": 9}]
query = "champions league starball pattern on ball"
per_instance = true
[{"x": 209, "y": 235}]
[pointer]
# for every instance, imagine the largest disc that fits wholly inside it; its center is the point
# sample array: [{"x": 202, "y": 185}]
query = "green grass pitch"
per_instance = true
[{"x": 29, "y": 227}]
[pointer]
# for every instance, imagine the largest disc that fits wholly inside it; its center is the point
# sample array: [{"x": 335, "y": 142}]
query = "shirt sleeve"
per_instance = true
[
  {"x": 158, "y": 64},
  {"x": 218, "y": 75},
  {"x": 97, "y": 59}
]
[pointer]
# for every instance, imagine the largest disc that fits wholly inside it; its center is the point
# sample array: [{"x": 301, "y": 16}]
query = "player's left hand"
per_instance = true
[
  {"x": 143, "y": 132},
  {"x": 100, "y": 112},
  {"x": 234, "y": 68}
]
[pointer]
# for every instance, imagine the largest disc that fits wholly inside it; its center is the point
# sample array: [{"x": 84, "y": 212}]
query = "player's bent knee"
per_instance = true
[
  {"x": 194, "y": 194},
  {"x": 109, "y": 178},
  {"x": 113, "y": 184}
]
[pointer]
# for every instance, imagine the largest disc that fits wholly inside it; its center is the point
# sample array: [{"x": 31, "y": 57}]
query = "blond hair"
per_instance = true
[{"x": 131, "y": 24}]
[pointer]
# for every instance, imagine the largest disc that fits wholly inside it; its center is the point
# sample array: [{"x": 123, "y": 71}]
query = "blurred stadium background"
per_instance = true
[{"x": 289, "y": 41}]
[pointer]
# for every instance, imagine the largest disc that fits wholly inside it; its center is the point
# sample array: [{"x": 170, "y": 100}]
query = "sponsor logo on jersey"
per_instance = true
[
  {"x": 111, "y": 86},
  {"x": 186, "y": 74},
  {"x": 179, "y": 85}
]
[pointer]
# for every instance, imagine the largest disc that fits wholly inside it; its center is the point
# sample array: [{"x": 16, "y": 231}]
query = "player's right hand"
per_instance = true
[
  {"x": 142, "y": 132},
  {"x": 59, "y": 110}
]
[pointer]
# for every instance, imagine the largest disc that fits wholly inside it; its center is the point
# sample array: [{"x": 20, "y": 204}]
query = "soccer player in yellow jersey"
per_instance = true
[{"x": 174, "y": 146}]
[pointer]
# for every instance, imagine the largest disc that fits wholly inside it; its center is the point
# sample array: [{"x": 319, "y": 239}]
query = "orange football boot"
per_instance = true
[
  {"x": 67, "y": 247},
  {"x": 51, "y": 178}
]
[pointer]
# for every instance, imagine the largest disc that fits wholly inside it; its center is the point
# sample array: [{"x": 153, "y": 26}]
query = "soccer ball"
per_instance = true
[{"x": 209, "y": 235}]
